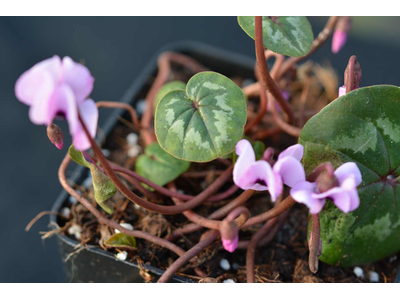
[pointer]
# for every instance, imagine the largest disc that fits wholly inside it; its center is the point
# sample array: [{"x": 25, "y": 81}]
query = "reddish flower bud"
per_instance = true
[
  {"x": 55, "y": 135},
  {"x": 229, "y": 235}
]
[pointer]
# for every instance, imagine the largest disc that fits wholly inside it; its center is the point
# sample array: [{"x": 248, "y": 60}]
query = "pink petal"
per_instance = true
[
  {"x": 39, "y": 110},
  {"x": 350, "y": 185},
  {"x": 78, "y": 77},
  {"x": 340, "y": 198},
  {"x": 245, "y": 160},
  {"x": 38, "y": 80},
  {"x": 229, "y": 245},
  {"x": 255, "y": 177},
  {"x": 303, "y": 192},
  {"x": 90, "y": 115},
  {"x": 342, "y": 91},
  {"x": 290, "y": 169},
  {"x": 345, "y": 170},
  {"x": 339, "y": 40},
  {"x": 295, "y": 151}
]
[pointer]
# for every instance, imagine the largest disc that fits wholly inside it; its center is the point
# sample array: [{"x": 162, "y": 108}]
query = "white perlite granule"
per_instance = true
[
  {"x": 358, "y": 272},
  {"x": 132, "y": 139},
  {"x": 75, "y": 230},
  {"x": 122, "y": 255},
  {"x": 125, "y": 225},
  {"x": 373, "y": 276},
  {"x": 224, "y": 264}
]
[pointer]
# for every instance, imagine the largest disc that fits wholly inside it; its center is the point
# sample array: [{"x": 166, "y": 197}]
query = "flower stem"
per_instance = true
[
  {"x": 267, "y": 80},
  {"x": 207, "y": 239},
  {"x": 315, "y": 243}
]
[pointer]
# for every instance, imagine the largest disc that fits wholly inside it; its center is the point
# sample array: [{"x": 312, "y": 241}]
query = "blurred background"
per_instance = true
[{"x": 116, "y": 49}]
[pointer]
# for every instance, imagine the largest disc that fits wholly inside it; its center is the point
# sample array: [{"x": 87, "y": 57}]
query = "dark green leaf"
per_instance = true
[
  {"x": 290, "y": 36},
  {"x": 363, "y": 127},
  {"x": 159, "y": 166},
  {"x": 203, "y": 123}
]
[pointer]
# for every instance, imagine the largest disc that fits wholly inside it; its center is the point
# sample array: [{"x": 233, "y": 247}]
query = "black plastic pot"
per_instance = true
[{"x": 93, "y": 264}]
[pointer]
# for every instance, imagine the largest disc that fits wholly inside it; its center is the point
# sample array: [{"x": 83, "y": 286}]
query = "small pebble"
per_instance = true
[
  {"x": 106, "y": 152},
  {"x": 125, "y": 225},
  {"x": 141, "y": 106},
  {"x": 65, "y": 211},
  {"x": 358, "y": 272},
  {"x": 229, "y": 281},
  {"x": 235, "y": 266},
  {"x": 134, "y": 151},
  {"x": 122, "y": 255},
  {"x": 224, "y": 264},
  {"x": 132, "y": 139},
  {"x": 373, "y": 276},
  {"x": 75, "y": 230}
]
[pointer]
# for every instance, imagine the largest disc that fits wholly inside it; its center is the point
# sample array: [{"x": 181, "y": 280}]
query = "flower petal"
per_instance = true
[
  {"x": 78, "y": 77},
  {"x": 349, "y": 184},
  {"x": 229, "y": 245},
  {"x": 303, "y": 192},
  {"x": 295, "y": 151},
  {"x": 339, "y": 40},
  {"x": 340, "y": 197},
  {"x": 38, "y": 81},
  {"x": 290, "y": 169},
  {"x": 90, "y": 115},
  {"x": 245, "y": 160},
  {"x": 344, "y": 170},
  {"x": 342, "y": 91}
]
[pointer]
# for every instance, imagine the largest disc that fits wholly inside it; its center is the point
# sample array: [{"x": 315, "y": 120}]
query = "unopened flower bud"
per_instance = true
[
  {"x": 55, "y": 135},
  {"x": 229, "y": 235},
  {"x": 340, "y": 35},
  {"x": 353, "y": 73}
]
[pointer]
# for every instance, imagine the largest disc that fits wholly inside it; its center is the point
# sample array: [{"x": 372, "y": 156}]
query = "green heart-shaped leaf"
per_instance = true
[
  {"x": 103, "y": 187},
  {"x": 290, "y": 36},
  {"x": 121, "y": 240},
  {"x": 159, "y": 166},
  {"x": 363, "y": 127},
  {"x": 165, "y": 89},
  {"x": 203, "y": 123}
]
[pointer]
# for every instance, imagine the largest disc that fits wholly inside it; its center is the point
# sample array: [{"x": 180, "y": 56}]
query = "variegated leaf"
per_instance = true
[
  {"x": 363, "y": 127},
  {"x": 165, "y": 89},
  {"x": 205, "y": 121},
  {"x": 290, "y": 36}
]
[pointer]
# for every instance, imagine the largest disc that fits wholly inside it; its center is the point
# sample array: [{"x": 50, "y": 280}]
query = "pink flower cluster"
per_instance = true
[
  {"x": 59, "y": 88},
  {"x": 261, "y": 176}
]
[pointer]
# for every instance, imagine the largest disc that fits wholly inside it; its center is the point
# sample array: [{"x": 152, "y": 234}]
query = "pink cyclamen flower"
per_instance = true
[
  {"x": 339, "y": 40},
  {"x": 56, "y": 87},
  {"x": 260, "y": 176},
  {"x": 345, "y": 196},
  {"x": 342, "y": 91}
]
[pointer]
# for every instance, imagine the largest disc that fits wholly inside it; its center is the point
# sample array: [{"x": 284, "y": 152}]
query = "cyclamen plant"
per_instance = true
[{"x": 344, "y": 167}]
